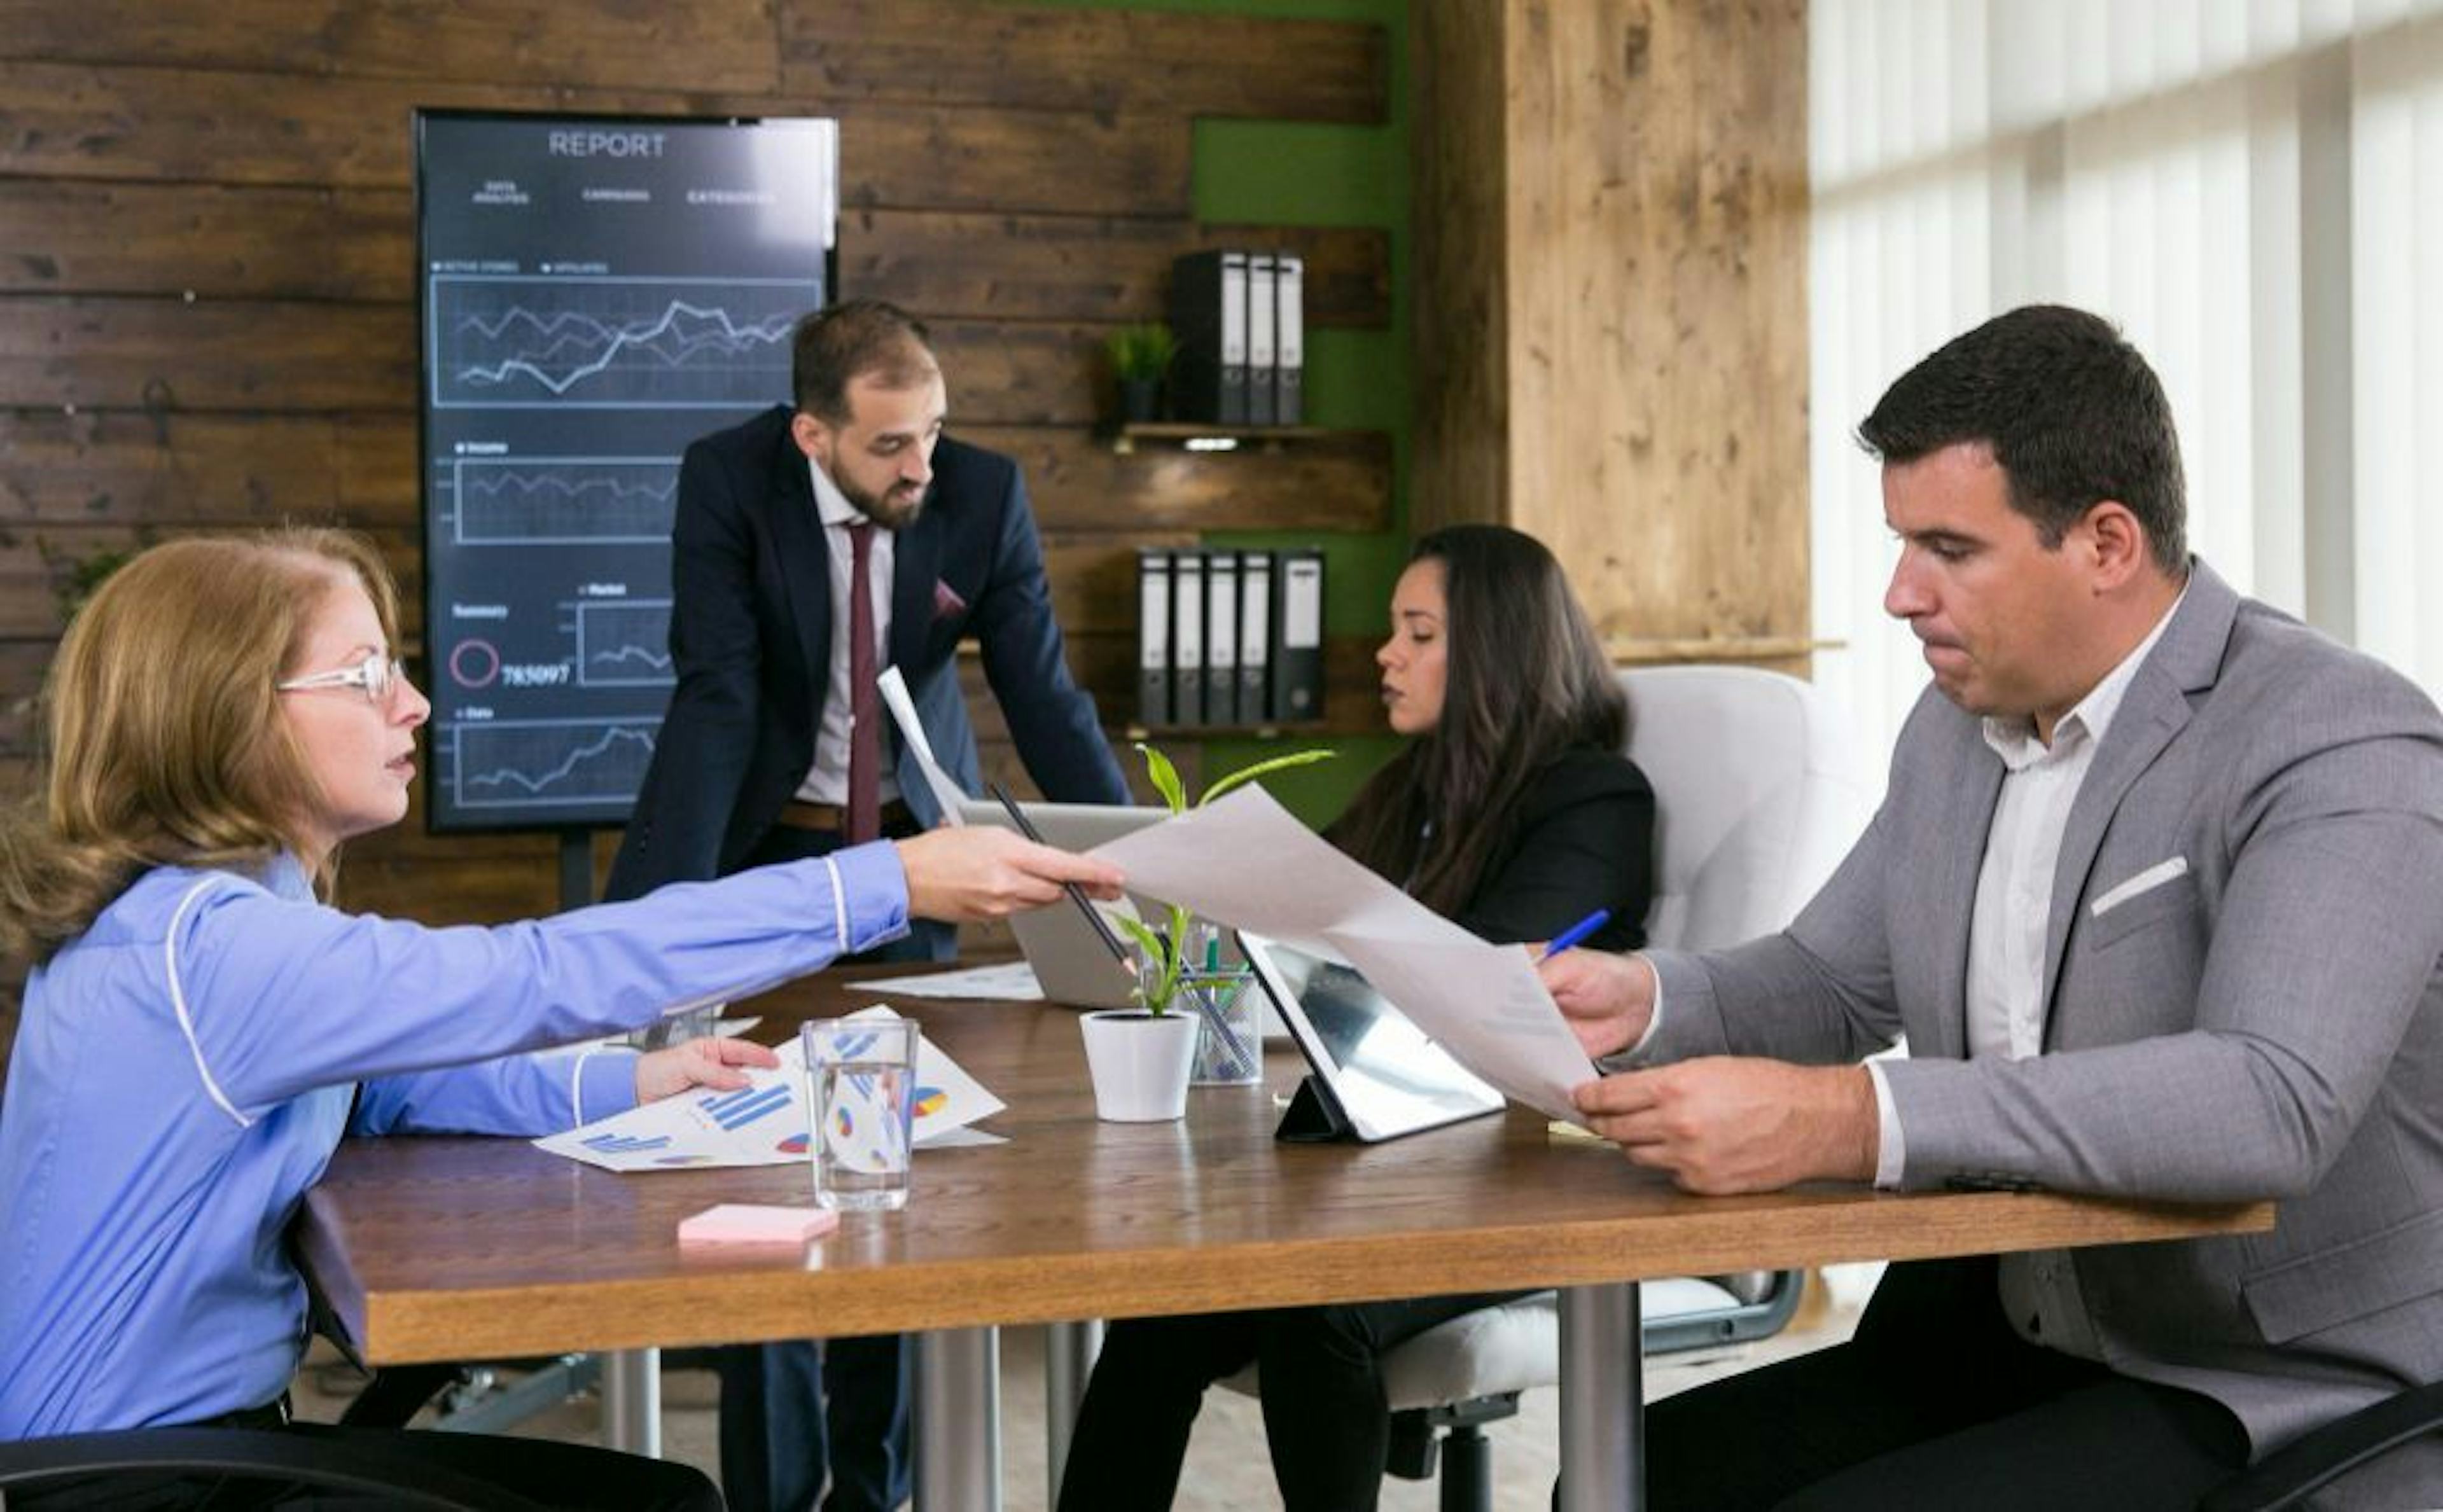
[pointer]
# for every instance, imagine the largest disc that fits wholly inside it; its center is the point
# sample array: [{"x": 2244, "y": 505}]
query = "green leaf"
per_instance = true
[
  {"x": 1146, "y": 938},
  {"x": 1248, "y": 775},
  {"x": 1165, "y": 778}
]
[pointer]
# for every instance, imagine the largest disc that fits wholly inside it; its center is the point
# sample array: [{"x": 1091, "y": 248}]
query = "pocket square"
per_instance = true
[
  {"x": 2147, "y": 881},
  {"x": 946, "y": 601}
]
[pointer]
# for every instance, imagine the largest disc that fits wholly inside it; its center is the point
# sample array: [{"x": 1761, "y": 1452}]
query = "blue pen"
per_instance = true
[{"x": 1576, "y": 932}]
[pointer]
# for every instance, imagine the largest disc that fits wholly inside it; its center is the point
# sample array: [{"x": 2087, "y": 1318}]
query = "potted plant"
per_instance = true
[
  {"x": 1140, "y": 358},
  {"x": 1140, "y": 1057}
]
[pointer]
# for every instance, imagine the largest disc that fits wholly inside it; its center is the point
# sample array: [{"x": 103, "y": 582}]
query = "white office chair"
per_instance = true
[{"x": 1758, "y": 794}]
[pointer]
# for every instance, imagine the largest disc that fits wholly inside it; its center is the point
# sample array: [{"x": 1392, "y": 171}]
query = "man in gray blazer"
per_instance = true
[{"x": 2156, "y": 896}]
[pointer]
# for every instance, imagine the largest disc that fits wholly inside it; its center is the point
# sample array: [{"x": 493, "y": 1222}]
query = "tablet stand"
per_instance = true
[{"x": 1314, "y": 1116}]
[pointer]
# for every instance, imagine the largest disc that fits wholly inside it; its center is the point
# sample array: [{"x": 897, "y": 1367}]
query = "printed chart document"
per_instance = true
[
  {"x": 1247, "y": 863},
  {"x": 764, "y": 1122}
]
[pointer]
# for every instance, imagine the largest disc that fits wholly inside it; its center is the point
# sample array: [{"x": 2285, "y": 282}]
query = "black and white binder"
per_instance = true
[
  {"x": 1289, "y": 341},
  {"x": 1263, "y": 288},
  {"x": 1221, "y": 638},
  {"x": 1297, "y": 635},
  {"x": 1153, "y": 637},
  {"x": 1187, "y": 638},
  {"x": 1208, "y": 316},
  {"x": 1255, "y": 637}
]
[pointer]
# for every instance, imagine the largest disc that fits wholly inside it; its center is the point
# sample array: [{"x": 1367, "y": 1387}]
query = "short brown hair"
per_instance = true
[
  {"x": 835, "y": 347},
  {"x": 2071, "y": 411},
  {"x": 164, "y": 741}
]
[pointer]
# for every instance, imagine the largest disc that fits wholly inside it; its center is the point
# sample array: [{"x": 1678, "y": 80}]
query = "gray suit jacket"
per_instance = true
[{"x": 2267, "y": 1023}]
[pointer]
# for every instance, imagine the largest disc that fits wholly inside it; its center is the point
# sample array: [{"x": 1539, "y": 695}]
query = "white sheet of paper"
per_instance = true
[
  {"x": 763, "y": 1122},
  {"x": 902, "y": 712},
  {"x": 1248, "y": 863},
  {"x": 1014, "y": 981}
]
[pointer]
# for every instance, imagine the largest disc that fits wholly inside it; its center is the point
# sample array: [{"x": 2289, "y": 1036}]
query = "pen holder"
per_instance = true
[{"x": 1229, "y": 1040}]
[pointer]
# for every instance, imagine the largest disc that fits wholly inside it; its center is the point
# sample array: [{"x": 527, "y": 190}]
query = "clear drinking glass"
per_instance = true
[{"x": 861, "y": 1091}]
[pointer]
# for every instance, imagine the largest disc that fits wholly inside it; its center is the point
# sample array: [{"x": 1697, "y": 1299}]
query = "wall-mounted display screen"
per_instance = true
[{"x": 597, "y": 293}]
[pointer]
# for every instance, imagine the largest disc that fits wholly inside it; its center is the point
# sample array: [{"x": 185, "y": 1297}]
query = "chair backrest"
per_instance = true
[{"x": 1757, "y": 797}]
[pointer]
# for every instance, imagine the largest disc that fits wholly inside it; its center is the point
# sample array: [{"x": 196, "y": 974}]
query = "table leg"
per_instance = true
[
  {"x": 1069, "y": 1352},
  {"x": 958, "y": 1420},
  {"x": 631, "y": 1401},
  {"x": 1603, "y": 1412}
]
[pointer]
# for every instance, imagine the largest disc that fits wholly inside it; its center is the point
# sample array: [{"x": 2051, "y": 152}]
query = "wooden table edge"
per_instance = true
[{"x": 705, "y": 1307}]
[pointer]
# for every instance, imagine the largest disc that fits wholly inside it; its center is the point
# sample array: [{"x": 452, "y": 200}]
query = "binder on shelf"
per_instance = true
[
  {"x": 1187, "y": 638},
  {"x": 1297, "y": 635},
  {"x": 1262, "y": 305},
  {"x": 1289, "y": 341},
  {"x": 1153, "y": 637},
  {"x": 1221, "y": 638},
  {"x": 1255, "y": 637},
  {"x": 1208, "y": 316}
]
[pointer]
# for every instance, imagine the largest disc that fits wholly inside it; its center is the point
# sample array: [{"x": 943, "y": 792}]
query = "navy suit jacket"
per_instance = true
[{"x": 750, "y": 637}]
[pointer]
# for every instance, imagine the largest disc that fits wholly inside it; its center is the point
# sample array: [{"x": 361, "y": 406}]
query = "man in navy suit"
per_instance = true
[{"x": 780, "y": 520}]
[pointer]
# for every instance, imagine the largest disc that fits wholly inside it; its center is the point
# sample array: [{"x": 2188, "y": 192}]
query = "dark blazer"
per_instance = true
[
  {"x": 1584, "y": 840},
  {"x": 750, "y": 636}
]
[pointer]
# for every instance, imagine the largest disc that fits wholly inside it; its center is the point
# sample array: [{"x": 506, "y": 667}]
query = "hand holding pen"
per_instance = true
[
  {"x": 979, "y": 872},
  {"x": 1575, "y": 933}
]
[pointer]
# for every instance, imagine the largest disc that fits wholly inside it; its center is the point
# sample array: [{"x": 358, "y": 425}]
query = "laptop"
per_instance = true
[
  {"x": 1374, "y": 1074},
  {"x": 1071, "y": 962}
]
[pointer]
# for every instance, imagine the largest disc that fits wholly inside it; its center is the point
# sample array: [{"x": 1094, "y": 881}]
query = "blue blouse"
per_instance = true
[{"x": 184, "y": 1068}]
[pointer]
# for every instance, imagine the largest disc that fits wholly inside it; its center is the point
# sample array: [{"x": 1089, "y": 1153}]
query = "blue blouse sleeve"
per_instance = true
[
  {"x": 514, "y": 1095},
  {"x": 283, "y": 997}
]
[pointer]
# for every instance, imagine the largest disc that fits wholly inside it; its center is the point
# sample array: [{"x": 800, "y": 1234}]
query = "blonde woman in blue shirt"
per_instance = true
[{"x": 200, "y": 1028}]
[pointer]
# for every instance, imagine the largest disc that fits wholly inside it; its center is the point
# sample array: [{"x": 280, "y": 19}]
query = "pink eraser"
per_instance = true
[{"x": 737, "y": 1223}]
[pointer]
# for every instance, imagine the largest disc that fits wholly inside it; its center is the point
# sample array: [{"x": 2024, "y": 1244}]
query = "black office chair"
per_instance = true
[
  {"x": 2307, "y": 1464},
  {"x": 301, "y": 1455}
]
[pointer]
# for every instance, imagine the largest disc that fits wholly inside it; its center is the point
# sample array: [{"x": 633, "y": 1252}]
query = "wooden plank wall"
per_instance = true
[
  {"x": 1611, "y": 338},
  {"x": 207, "y": 296}
]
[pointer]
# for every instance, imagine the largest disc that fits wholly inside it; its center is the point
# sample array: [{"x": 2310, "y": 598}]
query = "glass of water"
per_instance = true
[{"x": 861, "y": 1091}]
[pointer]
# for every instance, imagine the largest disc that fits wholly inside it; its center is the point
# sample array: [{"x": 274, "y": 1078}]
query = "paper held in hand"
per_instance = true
[
  {"x": 1247, "y": 863},
  {"x": 902, "y": 712}
]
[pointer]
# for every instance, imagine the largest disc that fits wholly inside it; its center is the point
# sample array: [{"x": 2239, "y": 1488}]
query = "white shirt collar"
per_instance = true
[
  {"x": 2015, "y": 739},
  {"x": 831, "y": 505}
]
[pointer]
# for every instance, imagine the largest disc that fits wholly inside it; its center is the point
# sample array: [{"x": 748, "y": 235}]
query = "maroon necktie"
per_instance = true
[{"x": 864, "y": 696}]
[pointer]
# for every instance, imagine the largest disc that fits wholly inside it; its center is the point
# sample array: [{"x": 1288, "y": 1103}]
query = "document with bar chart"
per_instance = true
[
  {"x": 596, "y": 293},
  {"x": 764, "y": 1122}
]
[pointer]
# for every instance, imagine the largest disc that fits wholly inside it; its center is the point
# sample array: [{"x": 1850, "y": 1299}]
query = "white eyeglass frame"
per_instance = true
[{"x": 379, "y": 675}]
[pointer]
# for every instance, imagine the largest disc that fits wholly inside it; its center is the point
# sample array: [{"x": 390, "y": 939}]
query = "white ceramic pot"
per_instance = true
[{"x": 1139, "y": 1063}]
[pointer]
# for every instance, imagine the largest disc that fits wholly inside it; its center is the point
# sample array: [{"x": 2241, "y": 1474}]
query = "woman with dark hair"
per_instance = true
[
  {"x": 201, "y": 1028},
  {"x": 1511, "y": 811}
]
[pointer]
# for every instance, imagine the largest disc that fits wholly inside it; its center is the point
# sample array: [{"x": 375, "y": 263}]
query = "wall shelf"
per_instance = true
[{"x": 1184, "y": 434}]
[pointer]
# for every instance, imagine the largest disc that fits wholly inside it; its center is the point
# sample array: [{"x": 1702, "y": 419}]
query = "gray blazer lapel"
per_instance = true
[
  {"x": 2154, "y": 710},
  {"x": 805, "y": 569}
]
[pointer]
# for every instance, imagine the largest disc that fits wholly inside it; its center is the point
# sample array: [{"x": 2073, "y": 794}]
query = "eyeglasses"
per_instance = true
[{"x": 379, "y": 675}]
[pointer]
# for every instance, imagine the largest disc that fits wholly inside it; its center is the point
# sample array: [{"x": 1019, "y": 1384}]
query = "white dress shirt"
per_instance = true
[
  {"x": 827, "y": 779},
  {"x": 2006, "y": 957}
]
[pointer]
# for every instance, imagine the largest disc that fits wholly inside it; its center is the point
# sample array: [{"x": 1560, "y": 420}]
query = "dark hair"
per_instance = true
[
  {"x": 2073, "y": 415},
  {"x": 1524, "y": 681},
  {"x": 832, "y": 348}
]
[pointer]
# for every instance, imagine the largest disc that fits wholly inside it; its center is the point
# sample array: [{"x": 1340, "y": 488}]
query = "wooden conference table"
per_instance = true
[{"x": 469, "y": 1249}]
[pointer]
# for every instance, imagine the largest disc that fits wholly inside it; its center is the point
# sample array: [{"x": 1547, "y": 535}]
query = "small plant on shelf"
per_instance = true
[
  {"x": 1164, "y": 950},
  {"x": 1140, "y": 359}
]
